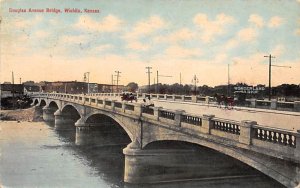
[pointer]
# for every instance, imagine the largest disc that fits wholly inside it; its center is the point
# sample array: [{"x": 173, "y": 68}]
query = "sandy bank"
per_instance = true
[{"x": 30, "y": 114}]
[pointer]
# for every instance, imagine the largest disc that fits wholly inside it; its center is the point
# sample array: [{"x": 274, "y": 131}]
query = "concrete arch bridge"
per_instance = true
[{"x": 148, "y": 130}]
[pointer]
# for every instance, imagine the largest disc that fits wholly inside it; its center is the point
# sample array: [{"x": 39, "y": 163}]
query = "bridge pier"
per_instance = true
[
  {"x": 63, "y": 121},
  {"x": 48, "y": 114}
]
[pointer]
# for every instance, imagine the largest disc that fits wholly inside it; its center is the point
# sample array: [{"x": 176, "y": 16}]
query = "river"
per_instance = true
[{"x": 34, "y": 154}]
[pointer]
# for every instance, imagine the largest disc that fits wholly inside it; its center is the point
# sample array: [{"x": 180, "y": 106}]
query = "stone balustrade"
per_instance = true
[
  {"x": 252, "y": 103},
  {"x": 247, "y": 134}
]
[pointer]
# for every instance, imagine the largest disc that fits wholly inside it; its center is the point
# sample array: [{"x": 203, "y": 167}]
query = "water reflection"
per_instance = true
[
  {"x": 37, "y": 155},
  {"x": 108, "y": 161}
]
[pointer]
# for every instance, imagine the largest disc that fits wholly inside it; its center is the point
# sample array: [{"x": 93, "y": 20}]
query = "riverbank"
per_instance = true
[{"x": 29, "y": 114}]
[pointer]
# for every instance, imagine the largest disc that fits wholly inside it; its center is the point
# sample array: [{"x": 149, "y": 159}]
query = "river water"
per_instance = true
[{"x": 34, "y": 154}]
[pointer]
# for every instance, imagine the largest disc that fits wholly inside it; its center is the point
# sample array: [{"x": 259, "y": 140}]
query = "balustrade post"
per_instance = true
[
  {"x": 156, "y": 112},
  {"x": 173, "y": 97},
  {"x": 113, "y": 104},
  {"x": 182, "y": 97},
  {"x": 178, "y": 117},
  {"x": 97, "y": 103},
  {"x": 104, "y": 102},
  {"x": 90, "y": 100},
  {"x": 143, "y": 95},
  {"x": 207, "y": 100},
  {"x": 297, "y": 106},
  {"x": 297, "y": 142},
  {"x": 246, "y": 131},
  {"x": 194, "y": 98},
  {"x": 207, "y": 123},
  {"x": 165, "y": 96},
  {"x": 273, "y": 105},
  {"x": 253, "y": 103},
  {"x": 123, "y": 106},
  {"x": 138, "y": 109}
]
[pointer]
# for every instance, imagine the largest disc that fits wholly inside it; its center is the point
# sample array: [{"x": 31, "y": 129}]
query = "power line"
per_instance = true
[{"x": 270, "y": 72}]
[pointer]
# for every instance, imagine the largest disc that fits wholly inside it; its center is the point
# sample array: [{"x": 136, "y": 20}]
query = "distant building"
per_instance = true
[
  {"x": 10, "y": 90},
  {"x": 31, "y": 89},
  {"x": 74, "y": 87}
]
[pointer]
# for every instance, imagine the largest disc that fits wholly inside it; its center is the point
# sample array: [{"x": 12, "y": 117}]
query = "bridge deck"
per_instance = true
[{"x": 271, "y": 118}]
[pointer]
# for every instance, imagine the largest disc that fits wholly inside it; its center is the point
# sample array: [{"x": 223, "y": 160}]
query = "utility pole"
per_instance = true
[
  {"x": 180, "y": 78},
  {"x": 20, "y": 80},
  {"x": 112, "y": 83},
  {"x": 87, "y": 76},
  {"x": 13, "y": 88},
  {"x": 157, "y": 75},
  {"x": 117, "y": 75},
  {"x": 148, "y": 71},
  {"x": 228, "y": 83},
  {"x": 270, "y": 72},
  {"x": 156, "y": 88}
]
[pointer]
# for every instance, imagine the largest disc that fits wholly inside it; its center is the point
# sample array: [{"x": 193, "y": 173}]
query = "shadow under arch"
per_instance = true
[
  {"x": 91, "y": 117},
  {"x": 230, "y": 153},
  {"x": 43, "y": 103},
  {"x": 53, "y": 105}
]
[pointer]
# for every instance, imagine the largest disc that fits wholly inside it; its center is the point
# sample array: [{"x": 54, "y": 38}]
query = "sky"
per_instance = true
[{"x": 174, "y": 37}]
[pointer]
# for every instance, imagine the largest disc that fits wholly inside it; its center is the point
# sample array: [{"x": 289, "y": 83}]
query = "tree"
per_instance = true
[{"x": 132, "y": 87}]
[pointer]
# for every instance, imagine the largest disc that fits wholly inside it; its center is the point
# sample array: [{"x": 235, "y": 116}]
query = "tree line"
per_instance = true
[{"x": 283, "y": 90}]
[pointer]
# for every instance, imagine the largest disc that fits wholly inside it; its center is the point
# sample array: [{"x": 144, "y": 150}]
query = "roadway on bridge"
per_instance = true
[{"x": 271, "y": 118}]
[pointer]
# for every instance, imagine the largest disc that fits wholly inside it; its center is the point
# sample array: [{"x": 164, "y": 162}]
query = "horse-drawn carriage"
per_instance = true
[{"x": 126, "y": 96}]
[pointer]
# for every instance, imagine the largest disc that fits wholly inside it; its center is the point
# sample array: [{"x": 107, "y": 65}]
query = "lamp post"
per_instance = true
[
  {"x": 195, "y": 81},
  {"x": 118, "y": 76}
]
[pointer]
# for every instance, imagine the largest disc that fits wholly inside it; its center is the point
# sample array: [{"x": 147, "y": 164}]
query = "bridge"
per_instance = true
[{"x": 270, "y": 150}]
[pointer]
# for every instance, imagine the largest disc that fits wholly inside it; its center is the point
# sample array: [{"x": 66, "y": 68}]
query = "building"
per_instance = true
[
  {"x": 10, "y": 90},
  {"x": 72, "y": 87}
]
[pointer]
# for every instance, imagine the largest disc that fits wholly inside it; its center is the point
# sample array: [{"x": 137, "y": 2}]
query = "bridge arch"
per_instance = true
[
  {"x": 43, "y": 103},
  {"x": 35, "y": 102},
  {"x": 257, "y": 163},
  {"x": 69, "y": 106},
  {"x": 53, "y": 105},
  {"x": 70, "y": 114},
  {"x": 114, "y": 118}
]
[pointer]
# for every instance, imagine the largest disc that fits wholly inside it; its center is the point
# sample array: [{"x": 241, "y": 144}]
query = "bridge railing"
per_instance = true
[
  {"x": 251, "y": 103},
  {"x": 247, "y": 134}
]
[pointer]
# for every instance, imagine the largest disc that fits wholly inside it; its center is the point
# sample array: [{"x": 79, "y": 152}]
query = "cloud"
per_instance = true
[
  {"x": 182, "y": 34},
  {"x": 211, "y": 29},
  {"x": 177, "y": 51},
  {"x": 247, "y": 34},
  {"x": 141, "y": 29},
  {"x": 145, "y": 27},
  {"x": 41, "y": 34},
  {"x": 109, "y": 23},
  {"x": 278, "y": 50},
  {"x": 256, "y": 20},
  {"x": 297, "y": 32},
  {"x": 103, "y": 47},
  {"x": 138, "y": 46},
  {"x": 73, "y": 39},
  {"x": 275, "y": 21},
  {"x": 26, "y": 23}
]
